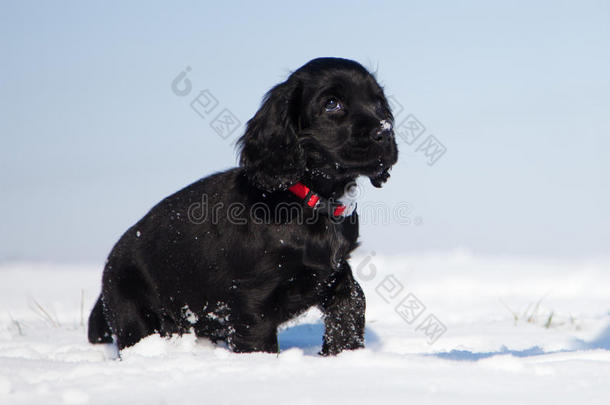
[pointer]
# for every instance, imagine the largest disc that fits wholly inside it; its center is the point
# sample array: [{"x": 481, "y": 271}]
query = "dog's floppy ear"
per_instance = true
[{"x": 270, "y": 149}]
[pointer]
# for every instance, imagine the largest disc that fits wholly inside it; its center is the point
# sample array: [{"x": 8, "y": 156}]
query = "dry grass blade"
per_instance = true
[{"x": 44, "y": 314}]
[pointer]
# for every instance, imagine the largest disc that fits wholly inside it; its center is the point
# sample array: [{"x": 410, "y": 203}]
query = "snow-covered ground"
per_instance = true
[{"x": 467, "y": 330}]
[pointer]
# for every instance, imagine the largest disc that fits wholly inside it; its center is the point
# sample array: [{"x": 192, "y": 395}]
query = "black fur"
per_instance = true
[{"x": 235, "y": 254}]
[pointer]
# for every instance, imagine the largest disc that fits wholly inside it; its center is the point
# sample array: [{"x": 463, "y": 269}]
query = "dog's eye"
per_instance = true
[{"x": 332, "y": 104}]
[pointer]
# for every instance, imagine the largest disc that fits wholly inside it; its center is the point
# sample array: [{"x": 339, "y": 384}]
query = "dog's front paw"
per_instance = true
[{"x": 334, "y": 348}]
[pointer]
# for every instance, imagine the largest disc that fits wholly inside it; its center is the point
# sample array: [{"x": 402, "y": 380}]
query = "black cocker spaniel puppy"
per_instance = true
[{"x": 237, "y": 253}]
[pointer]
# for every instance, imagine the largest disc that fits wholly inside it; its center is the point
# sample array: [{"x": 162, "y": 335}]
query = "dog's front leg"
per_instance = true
[
  {"x": 343, "y": 305},
  {"x": 249, "y": 335}
]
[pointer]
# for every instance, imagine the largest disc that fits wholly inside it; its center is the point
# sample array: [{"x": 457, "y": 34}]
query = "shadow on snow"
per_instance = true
[
  {"x": 308, "y": 337},
  {"x": 602, "y": 341}
]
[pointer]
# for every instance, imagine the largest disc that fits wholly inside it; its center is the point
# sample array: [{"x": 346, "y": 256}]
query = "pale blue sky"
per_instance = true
[{"x": 91, "y": 135}]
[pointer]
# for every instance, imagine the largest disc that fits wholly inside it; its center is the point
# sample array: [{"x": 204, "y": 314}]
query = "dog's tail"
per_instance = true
[{"x": 99, "y": 331}]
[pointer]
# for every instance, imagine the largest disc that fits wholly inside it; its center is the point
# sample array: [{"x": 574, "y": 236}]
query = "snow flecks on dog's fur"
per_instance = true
[
  {"x": 385, "y": 125},
  {"x": 189, "y": 315},
  {"x": 221, "y": 312}
]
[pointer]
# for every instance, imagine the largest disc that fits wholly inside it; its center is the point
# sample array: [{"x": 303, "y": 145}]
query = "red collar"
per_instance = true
[{"x": 314, "y": 201}]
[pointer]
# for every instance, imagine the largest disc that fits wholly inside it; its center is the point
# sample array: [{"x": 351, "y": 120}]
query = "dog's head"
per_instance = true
[{"x": 330, "y": 118}]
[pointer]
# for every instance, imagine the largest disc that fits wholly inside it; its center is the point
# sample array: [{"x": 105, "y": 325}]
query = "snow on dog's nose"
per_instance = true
[{"x": 385, "y": 127}]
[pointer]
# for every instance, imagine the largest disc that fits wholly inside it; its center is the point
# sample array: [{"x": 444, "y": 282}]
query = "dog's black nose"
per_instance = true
[{"x": 382, "y": 131}]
